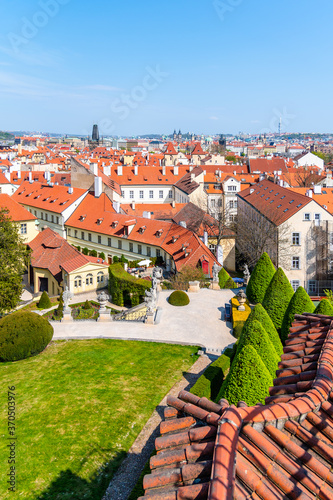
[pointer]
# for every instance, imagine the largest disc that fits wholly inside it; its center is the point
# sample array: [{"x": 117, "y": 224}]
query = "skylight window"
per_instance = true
[
  {"x": 271, "y": 191},
  {"x": 277, "y": 194},
  {"x": 279, "y": 206},
  {"x": 286, "y": 210},
  {"x": 267, "y": 198},
  {"x": 282, "y": 197},
  {"x": 291, "y": 201},
  {"x": 299, "y": 205}
]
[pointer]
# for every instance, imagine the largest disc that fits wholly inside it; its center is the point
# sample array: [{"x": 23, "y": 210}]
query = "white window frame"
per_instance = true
[
  {"x": 307, "y": 216},
  {"x": 295, "y": 284},
  {"x": 151, "y": 194},
  {"x": 294, "y": 260},
  {"x": 141, "y": 194},
  {"x": 23, "y": 228},
  {"x": 160, "y": 194},
  {"x": 295, "y": 238},
  {"x": 131, "y": 194}
]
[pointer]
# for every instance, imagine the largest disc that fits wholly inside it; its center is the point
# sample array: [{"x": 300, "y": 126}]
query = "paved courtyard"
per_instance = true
[{"x": 200, "y": 323}]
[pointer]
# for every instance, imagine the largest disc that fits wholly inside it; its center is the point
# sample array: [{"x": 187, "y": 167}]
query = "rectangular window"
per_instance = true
[
  {"x": 57, "y": 220},
  {"x": 151, "y": 194},
  {"x": 35, "y": 212},
  {"x": 82, "y": 235},
  {"x": 52, "y": 218},
  {"x": 141, "y": 194},
  {"x": 68, "y": 232},
  {"x": 158, "y": 252},
  {"x": 131, "y": 194},
  {"x": 212, "y": 203},
  {"x": 89, "y": 236},
  {"x": 170, "y": 193},
  {"x": 295, "y": 263},
  {"x": 75, "y": 233},
  {"x": 119, "y": 244},
  {"x": 23, "y": 229},
  {"x": 140, "y": 249},
  {"x": 295, "y": 239},
  {"x": 46, "y": 217},
  {"x": 231, "y": 204},
  {"x": 99, "y": 239},
  {"x": 42, "y": 215},
  {"x": 232, "y": 188},
  {"x": 122, "y": 194},
  {"x": 317, "y": 216},
  {"x": 295, "y": 284},
  {"x": 312, "y": 287},
  {"x": 109, "y": 242},
  {"x": 160, "y": 194},
  {"x": 307, "y": 216},
  {"x": 148, "y": 251},
  {"x": 130, "y": 247}
]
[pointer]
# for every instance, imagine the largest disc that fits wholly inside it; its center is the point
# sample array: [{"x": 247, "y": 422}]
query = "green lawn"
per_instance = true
[{"x": 80, "y": 406}]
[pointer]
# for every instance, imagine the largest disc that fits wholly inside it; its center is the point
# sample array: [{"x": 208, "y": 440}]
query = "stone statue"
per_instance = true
[
  {"x": 216, "y": 269},
  {"x": 246, "y": 274},
  {"x": 67, "y": 297},
  {"x": 150, "y": 300},
  {"x": 102, "y": 299}
]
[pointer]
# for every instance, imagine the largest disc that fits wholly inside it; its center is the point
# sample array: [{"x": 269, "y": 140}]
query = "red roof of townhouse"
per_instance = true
[
  {"x": 187, "y": 183},
  {"x": 170, "y": 149},
  {"x": 16, "y": 212},
  {"x": 148, "y": 175},
  {"x": 106, "y": 180},
  {"x": 53, "y": 198},
  {"x": 3, "y": 179},
  {"x": 276, "y": 203},
  {"x": 265, "y": 165},
  {"x": 280, "y": 450},
  {"x": 182, "y": 244},
  {"x": 198, "y": 149},
  {"x": 324, "y": 198},
  {"x": 52, "y": 252},
  {"x": 164, "y": 211},
  {"x": 56, "y": 177}
]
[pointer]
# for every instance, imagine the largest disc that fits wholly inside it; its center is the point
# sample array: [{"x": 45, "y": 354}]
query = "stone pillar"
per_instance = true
[
  {"x": 194, "y": 286},
  {"x": 104, "y": 313}
]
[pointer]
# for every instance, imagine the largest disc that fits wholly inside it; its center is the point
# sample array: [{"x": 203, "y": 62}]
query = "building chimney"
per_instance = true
[
  {"x": 19, "y": 174},
  {"x": 94, "y": 168},
  {"x": 309, "y": 193},
  {"x": 252, "y": 190},
  {"x": 192, "y": 177},
  {"x": 19, "y": 149},
  {"x": 120, "y": 170},
  {"x": 135, "y": 170},
  {"x": 116, "y": 206},
  {"x": 107, "y": 170},
  {"x": 316, "y": 189},
  {"x": 163, "y": 170},
  {"x": 183, "y": 224},
  {"x": 133, "y": 205},
  {"x": 175, "y": 170},
  {"x": 173, "y": 204},
  {"x": 98, "y": 187},
  {"x": 70, "y": 190},
  {"x": 190, "y": 168},
  {"x": 30, "y": 178}
]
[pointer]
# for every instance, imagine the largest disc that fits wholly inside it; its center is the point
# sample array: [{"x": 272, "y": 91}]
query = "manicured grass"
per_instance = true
[
  {"x": 33, "y": 305},
  {"x": 79, "y": 407}
]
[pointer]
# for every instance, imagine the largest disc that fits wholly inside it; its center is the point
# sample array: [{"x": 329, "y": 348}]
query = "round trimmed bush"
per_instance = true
[
  {"x": 299, "y": 304},
  {"x": 324, "y": 307},
  {"x": 179, "y": 298},
  {"x": 44, "y": 301},
  {"x": 23, "y": 334},
  {"x": 260, "y": 279}
]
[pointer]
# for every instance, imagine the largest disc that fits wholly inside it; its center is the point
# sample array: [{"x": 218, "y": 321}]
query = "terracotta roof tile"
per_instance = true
[{"x": 16, "y": 211}]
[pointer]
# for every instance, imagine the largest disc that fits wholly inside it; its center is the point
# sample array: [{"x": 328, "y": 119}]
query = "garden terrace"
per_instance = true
[{"x": 280, "y": 450}]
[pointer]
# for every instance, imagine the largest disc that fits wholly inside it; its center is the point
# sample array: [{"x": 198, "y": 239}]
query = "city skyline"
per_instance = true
[{"x": 224, "y": 66}]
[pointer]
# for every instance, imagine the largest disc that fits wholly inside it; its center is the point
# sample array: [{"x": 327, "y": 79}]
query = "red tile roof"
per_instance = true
[
  {"x": 16, "y": 211},
  {"x": 52, "y": 252},
  {"x": 281, "y": 450},
  {"x": 52, "y": 198},
  {"x": 264, "y": 165},
  {"x": 276, "y": 203},
  {"x": 3, "y": 179},
  {"x": 170, "y": 149}
]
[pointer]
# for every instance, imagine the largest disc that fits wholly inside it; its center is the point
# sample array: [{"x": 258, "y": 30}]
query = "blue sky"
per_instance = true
[{"x": 217, "y": 66}]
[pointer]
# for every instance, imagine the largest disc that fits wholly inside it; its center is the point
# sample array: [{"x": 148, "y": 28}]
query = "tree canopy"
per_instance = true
[{"x": 13, "y": 259}]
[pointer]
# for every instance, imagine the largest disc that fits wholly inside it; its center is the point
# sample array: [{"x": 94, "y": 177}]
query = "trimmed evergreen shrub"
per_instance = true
[
  {"x": 261, "y": 277},
  {"x": 230, "y": 283},
  {"x": 44, "y": 301},
  {"x": 223, "y": 277},
  {"x": 23, "y": 334},
  {"x": 102, "y": 255},
  {"x": 179, "y": 298},
  {"x": 123, "y": 284},
  {"x": 259, "y": 313},
  {"x": 85, "y": 251},
  {"x": 93, "y": 253},
  {"x": 248, "y": 380},
  {"x": 324, "y": 307},
  {"x": 300, "y": 303},
  {"x": 277, "y": 298},
  {"x": 86, "y": 305},
  {"x": 209, "y": 384},
  {"x": 256, "y": 336}
]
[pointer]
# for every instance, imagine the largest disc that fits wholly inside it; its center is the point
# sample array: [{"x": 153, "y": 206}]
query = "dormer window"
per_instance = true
[
  {"x": 174, "y": 239},
  {"x": 82, "y": 217},
  {"x": 114, "y": 223},
  {"x": 185, "y": 245},
  {"x": 99, "y": 221},
  {"x": 142, "y": 229},
  {"x": 159, "y": 233}
]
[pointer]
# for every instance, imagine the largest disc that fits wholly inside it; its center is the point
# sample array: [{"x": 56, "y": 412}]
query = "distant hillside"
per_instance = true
[{"x": 5, "y": 136}]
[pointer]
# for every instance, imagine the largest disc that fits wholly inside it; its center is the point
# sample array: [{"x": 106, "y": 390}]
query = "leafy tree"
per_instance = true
[
  {"x": 248, "y": 380},
  {"x": 13, "y": 261},
  {"x": 256, "y": 336},
  {"x": 188, "y": 273},
  {"x": 261, "y": 277},
  {"x": 259, "y": 313},
  {"x": 300, "y": 303},
  {"x": 277, "y": 298},
  {"x": 324, "y": 307},
  {"x": 44, "y": 301}
]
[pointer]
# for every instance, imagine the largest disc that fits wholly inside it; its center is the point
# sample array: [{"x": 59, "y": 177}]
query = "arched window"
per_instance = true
[
  {"x": 100, "y": 277},
  {"x": 77, "y": 281},
  {"x": 89, "y": 279}
]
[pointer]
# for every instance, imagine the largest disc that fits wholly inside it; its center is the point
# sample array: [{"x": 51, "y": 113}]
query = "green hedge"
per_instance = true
[
  {"x": 277, "y": 298},
  {"x": 324, "y": 307},
  {"x": 23, "y": 334},
  {"x": 248, "y": 379},
  {"x": 299, "y": 304},
  {"x": 122, "y": 283},
  {"x": 179, "y": 298},
  {"x": 260, "y": 279},
  {"x": 209, "y": 384}
]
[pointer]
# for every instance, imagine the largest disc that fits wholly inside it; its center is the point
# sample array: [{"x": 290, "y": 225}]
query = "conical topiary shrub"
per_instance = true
[
  {"x": 259, "y": 313},
  {"x": 256, "y": 336},
  {"x": 248, "y": 380},
  {"x": 44, "y": 301},
  {"x": 324, "y": 307},
  {"x": 300, "y": 303},
  {"x": 277, "y": 298},
  {"x": 223, "y": 277},
  {"x": 260, "y": 279}
]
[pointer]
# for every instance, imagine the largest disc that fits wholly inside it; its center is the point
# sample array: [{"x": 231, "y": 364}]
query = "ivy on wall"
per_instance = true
[{"x": 123, "y": 286}]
